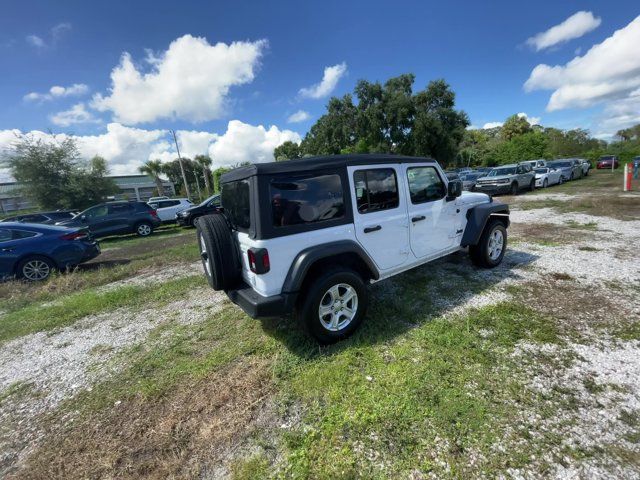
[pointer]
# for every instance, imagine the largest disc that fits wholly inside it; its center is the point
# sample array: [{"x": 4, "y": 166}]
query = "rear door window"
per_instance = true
[
  {"x": 5, "y": 235},
  {"x": 297, "y": 200},
  {"x": 120, "y": 209},
  {"x": 376, "y": 189}
]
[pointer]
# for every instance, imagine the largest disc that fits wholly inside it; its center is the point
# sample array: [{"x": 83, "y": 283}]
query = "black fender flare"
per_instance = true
[
  {"x": 307, "y": 257},
  {"x": 477, "y": 218}
]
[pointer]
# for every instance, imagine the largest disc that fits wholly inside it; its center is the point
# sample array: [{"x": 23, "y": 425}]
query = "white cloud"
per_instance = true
[
  {"x": 189, "y": 81},
  {"x": 55, "y": 34},
  {"x": 75, "y": 115},
  {"x": 609, "y": 70},
  {"x": 75, "y": 90},
  {"x": 299, "y": 116},
  {"x": 329, "y": 81},
  {"x": 126, "y": 148},
  {"x": 35, "y": 41},
  {"x": 247, "y": 143},
  {"x": 531, "y": 120},
  {"x": 573, "y": 27},
  {"x": 491, "y": 125}
]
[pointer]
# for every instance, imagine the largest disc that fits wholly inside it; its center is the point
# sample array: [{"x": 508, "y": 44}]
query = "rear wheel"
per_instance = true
[
  {"x": 489, "y": 251},
  {"x": 333, "y": 305},
  {"x": 35, "y": 268},
  {"x": 144, "y": 229}
]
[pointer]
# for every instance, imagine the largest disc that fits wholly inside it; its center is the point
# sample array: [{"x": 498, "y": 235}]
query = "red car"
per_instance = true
[{"x": 606, "y": 160}]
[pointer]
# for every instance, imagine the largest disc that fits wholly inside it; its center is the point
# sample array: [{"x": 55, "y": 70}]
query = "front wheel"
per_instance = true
[
  {"x": 514, "y": 189},
  {"x": 545, "y": 184},
  {"x": 532, "y": 185},
  {"x": 334, "y": 305},
  {"x": 489, "y": 251},
  {"x": 561, "y": 180}
]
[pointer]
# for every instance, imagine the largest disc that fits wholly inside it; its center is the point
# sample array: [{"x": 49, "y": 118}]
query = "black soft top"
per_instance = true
[{"x": 311, "y": 164}]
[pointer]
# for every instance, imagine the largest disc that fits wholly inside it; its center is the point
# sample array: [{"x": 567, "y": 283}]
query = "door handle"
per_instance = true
[
  {"x": 418, "y": 218},
  {"x": 372, "y": 229}
]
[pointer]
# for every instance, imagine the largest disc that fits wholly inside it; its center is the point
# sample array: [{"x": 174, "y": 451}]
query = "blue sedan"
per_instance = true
[{"x": 33, "y": 251}]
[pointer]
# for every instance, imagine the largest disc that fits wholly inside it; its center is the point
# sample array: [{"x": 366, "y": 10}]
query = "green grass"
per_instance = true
[
  {"x": 70, "y": 308},
  {"x": 582, "y": 226}
]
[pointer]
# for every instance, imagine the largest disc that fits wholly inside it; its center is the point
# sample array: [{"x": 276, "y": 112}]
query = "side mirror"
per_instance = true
[{"x": 454, "y": 189}]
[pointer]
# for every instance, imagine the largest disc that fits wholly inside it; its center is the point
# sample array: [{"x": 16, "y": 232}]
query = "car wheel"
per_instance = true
[
  {"x": 545, "y": 184},
  {"x": 219, "y": 252},
  {"x": 489, "y": 251},
  {"x": 571, "y": 177},
  {"x": 35, "y": 268},
  {"x": 532, "y": 185},
  {"x": 144, "y": 229},
  {"x": 333, "y": 305},
  {"x": 561, "y": 180},
  {"x": 514, "y": 188}
]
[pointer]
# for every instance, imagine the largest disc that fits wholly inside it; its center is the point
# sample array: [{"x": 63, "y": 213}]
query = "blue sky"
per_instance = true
[{"x": 481, "y": 49}]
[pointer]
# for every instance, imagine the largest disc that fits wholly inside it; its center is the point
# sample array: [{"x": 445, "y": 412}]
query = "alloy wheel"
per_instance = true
[
  {"x": 36, "y": 270},
  {"x": 495, "y": 245},
  {"x": 205, "y": 255},
  {"x": 338, "y": 307},
  {"x": 144, "y": 230}
]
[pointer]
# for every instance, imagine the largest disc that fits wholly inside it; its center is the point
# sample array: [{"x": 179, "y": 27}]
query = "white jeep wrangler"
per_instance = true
[{"x": 306, "y": 236}]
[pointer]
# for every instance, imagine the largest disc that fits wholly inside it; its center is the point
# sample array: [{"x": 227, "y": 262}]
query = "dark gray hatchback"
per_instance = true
[{"x": 116, "y": 218}]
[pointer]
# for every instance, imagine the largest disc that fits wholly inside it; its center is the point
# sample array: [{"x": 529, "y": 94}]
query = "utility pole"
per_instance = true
[{"x": 184, "y": 176}]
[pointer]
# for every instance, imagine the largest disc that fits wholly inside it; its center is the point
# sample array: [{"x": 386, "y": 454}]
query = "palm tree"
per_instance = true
[
  {"x": 153, "y": 168},
  {"x": 205, "y": 162}
]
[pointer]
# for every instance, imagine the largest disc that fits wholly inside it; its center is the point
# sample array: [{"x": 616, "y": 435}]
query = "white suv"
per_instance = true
[
  {"x": 307, "y": 236},
  {"x": 168, "y": 208}
]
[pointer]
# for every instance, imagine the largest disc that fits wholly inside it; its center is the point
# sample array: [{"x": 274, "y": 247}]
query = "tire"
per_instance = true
[
  {"x": 325, "y": 291},
  {"x": 35, "y": 268},
  {"x": 218, "y": 251},
  {"x": 194, "y": 221},
  {"x": 561, "y": 180},
  {"x": 514, "y": 188},
  {"x": 571, "y": 178},
  {"x": 144, "y": 229},
  {"x": 483, "y": 254},
  {"x": 532, "y": 185},
  {"x": 545, "y": 184}
]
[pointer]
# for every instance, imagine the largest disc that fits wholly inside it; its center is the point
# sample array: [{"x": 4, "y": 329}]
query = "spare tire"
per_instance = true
[{"x": 220, "y": 256}]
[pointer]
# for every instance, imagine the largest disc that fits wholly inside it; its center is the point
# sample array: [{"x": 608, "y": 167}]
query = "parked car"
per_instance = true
[
  {"x": 187, "y": 217},
  {"x": 586, "y": 166},
  {"x": 307, "y": 236},
  {"x": 507, "y": 179},
  {"x": 469, "y": 180},
  {"x": 536, "y": 163},
  {"x": 48, "y": 218},
  {"x": 117, "y": 218},
  {"x": 33, "y": 251},
  {"x": 569, "y": 169},
  {"x": 546, "y": 176},
  {"x": 462, "y": 170},
  {"x": 452, "y": 175},
  {"x": 157, "y": 199},
  {"x": 167, "y": 209},
  {"x": 483, "y": 169},
  {"x": 606, "y": 161}
]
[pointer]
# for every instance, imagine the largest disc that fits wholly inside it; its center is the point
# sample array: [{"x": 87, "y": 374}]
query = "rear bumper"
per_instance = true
[{"x": 257, "y": 306}]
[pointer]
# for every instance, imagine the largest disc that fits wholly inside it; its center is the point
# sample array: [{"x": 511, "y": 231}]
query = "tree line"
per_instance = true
[{"x": 391, "y": 118}]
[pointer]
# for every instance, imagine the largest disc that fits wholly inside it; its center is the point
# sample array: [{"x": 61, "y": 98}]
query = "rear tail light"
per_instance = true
[
  {"x": 75, "y": 236},
  {"x": 258, "y": 260},
  {"x": 153, "y": 213}
]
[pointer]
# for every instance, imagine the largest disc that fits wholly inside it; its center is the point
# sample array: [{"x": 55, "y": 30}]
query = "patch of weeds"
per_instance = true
[
  {"x": 582, "y": 226},
  {"x": 561, "y": 276},
  {"x": 256, "y": 467},
  {"x": 100, "y": 349},
  {"x": 38, "y": 318},
  {"x": 587, "y": 248},
  {"x": 16, "y": 390},
  {"x": 547, "y": 243},
  {"x": 592, "y": 386}
]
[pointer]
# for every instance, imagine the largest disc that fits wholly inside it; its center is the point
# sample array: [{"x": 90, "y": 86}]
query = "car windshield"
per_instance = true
[
  {"x": 470, "y": 176},
  {"x": 542, "y": 170},
  {"x": 496, "y": 172},
  {"x": 209, "y": 199},
  {"x": 561, "y": 164}
]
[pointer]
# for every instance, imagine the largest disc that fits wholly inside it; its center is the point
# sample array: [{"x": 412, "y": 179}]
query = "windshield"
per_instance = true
[
  {"x": 561, "y": 164},
  {"x": 209, "y": 199},
  {"x": 496, "y": 172},
  {"x": 542, "y": 170}
]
